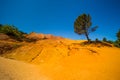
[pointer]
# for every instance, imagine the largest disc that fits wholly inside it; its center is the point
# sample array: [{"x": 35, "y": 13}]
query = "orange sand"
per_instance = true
[{"x": 62, "y": 59}]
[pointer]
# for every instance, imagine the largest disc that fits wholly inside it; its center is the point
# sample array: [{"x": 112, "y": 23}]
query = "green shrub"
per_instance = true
[
  {"x": 117, "y": 43},
  {"x": 96, "y": 40},
  {"x": 104, "y": 39},
  {"x": 12, "y": 31}
]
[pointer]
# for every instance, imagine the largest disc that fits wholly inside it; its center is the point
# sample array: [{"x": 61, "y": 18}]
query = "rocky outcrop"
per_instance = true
[
  {"x": 4, "y": 36},
  {"x": 36, "y": 36}
]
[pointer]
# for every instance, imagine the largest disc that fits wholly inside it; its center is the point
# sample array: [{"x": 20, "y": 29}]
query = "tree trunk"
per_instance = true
[{"x": 86, "y": 34}]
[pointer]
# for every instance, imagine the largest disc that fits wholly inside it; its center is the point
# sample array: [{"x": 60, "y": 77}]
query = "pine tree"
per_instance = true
[{"x": 82, "y": 25}]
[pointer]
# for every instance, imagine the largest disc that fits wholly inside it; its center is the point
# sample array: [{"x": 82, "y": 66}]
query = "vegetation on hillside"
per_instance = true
[
  {"x": 12, "y": 31},
  {"x": 81, "y": 26},
  {"x": 117, "y": 42}
]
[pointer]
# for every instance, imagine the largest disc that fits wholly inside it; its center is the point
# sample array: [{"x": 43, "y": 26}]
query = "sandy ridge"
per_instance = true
[{"x": 16, "y": 70}]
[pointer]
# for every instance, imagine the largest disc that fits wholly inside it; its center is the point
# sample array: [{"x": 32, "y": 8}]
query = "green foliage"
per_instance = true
[
  {"x": 117, "y": 42},
  {"x": 82, "y": 25},
  {"x": 0, "y": 25},
  {"x": 96, "y": 40},
  {"x": 104, "y": 39},
  {"x": 118, "y": 35},
  {"x": 11, "y": 31},
  {"x": 108, "y": 41}
]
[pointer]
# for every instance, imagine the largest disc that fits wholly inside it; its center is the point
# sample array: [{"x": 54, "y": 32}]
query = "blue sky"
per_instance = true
[{"x": 57, "y": 16}]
